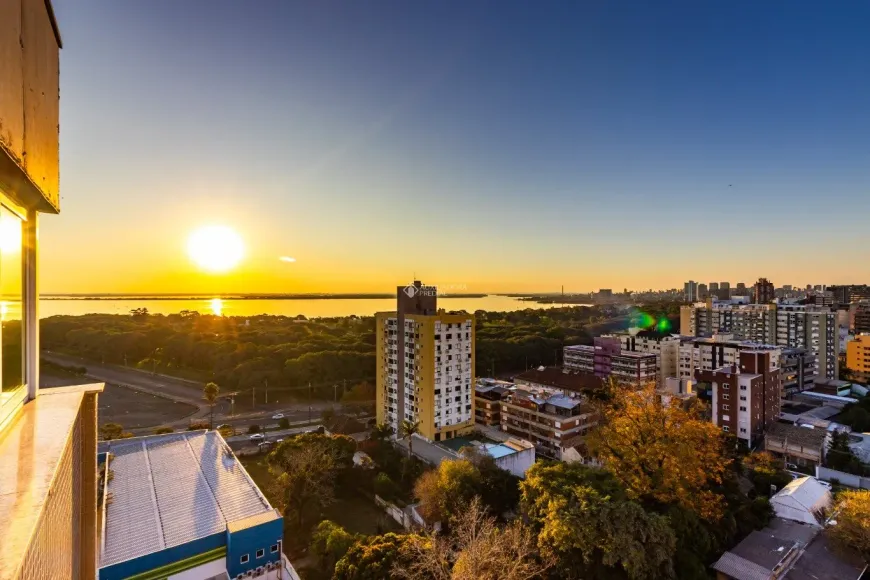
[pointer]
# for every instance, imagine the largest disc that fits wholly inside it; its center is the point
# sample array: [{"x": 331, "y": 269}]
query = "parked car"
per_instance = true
[
  {"x": 825, "y": 483},
  {"x": 278, "y": 416},
  {"x": 225, "y": 426},
  {"x": 257, "y": 437},
  {"x": 790, "y": 466}
]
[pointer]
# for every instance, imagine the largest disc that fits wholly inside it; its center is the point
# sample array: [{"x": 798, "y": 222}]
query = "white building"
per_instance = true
[{"x": 803, "y": 500}]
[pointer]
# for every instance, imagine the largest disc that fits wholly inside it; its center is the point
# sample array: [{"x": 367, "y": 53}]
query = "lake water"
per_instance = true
[{"x": 311, "y": 308}]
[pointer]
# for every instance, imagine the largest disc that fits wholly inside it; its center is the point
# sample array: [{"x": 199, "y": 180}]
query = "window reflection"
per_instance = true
[{"x": 11, "y": 328}]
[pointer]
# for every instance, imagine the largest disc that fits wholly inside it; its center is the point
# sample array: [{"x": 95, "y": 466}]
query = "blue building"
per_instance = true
[{"x": 181, "y": 507}]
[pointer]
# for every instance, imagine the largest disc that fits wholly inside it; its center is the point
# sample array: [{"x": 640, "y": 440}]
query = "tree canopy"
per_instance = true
[
  {"x": 852, "y": 514},
  {"x": 664, "y": 453}
]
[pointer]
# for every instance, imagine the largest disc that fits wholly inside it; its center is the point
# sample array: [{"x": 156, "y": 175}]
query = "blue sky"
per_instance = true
[{"x": 496, "y": 145}]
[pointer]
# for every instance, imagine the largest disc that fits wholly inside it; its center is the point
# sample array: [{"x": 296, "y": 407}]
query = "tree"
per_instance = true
[
  {"x": 284, "y": 423},
  {"x": 445, "y": 491},
  {"x": 407, "y": 430},
  {"x": 475, "y": 549},
  {"x": 329, "y": 543},
  {"x": 210, "y": 393},
  {"x": 852, "y": 514},
  {"x": 109, "y": 431},
  {"x": 385, "y": 487},
  {"x": 305, "y": 469},
  {"x": 841, "y": 457},
  {"x": 499, "y": 489},
  {"x": 592, "y": 533},
  {"x": 373, "y": 557},
  {"x": 765, "y": 470},
  {"x": 661, "y": 453},
  {"x": 381, "y": 432}
]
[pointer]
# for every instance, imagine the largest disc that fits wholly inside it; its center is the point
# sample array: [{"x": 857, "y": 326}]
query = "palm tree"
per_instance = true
[
  {"x": 210, "y": 394},
  {"x": 406, "y": 431}
]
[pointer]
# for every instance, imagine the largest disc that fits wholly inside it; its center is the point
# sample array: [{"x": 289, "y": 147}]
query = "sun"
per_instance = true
[{"x": 215, "y": 248}]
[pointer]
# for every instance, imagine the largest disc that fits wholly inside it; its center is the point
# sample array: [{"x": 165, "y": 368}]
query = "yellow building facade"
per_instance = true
[
  {"x": 858, "y": 354},
  {"x": 425, "y": 372}
]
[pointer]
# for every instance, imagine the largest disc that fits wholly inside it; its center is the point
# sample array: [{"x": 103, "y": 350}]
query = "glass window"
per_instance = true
[
  {"x": 261, "y": 553},
  {"x": 244, "y": 559},
  {"x": 11, "y": 327}
]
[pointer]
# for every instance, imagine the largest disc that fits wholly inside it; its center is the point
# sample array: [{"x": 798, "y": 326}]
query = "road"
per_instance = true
[{"x": 185, "y": 391}]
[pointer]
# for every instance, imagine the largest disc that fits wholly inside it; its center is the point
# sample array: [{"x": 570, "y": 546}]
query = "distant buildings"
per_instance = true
[
  {"x": 665, "y": 347},
  {"x": 812, "y": 328},
  {"x": 746, "y": 395},
  {"x": 764, "y": 292},
  {"x": 861, "y": 325},
  {"x": 703, "y": 292},
  {"x": 690, "y": 290},
  {"x": 850, "y": 293},
  {"x": 607, "y": 359},
  {"x": 425, "y": 365}
]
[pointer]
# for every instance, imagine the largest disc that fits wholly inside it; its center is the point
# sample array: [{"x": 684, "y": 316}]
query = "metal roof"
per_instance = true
[{"x": 171, "y": 489}]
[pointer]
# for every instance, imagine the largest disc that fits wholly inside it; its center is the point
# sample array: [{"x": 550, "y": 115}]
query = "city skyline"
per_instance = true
[{"x": 497, "y": 147}]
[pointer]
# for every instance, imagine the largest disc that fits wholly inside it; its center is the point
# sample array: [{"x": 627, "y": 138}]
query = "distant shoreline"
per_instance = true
[{"x": 237, "y": 296}]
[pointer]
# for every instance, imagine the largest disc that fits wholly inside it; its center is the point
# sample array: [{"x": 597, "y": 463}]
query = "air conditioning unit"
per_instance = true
[{"x": 260, "y": 570}]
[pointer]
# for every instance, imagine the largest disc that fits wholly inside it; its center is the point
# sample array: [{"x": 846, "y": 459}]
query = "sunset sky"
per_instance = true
[{"x": 495, "y": 146}]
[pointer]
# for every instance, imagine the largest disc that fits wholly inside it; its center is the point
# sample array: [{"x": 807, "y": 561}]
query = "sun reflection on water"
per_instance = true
[{"x": 217, "y": 306}]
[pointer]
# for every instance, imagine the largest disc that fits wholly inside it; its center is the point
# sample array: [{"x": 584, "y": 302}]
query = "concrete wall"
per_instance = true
[
  {"x": 29, "y": 103},
  {"x": 517, "y": 463},
  {"x": 846, "y": 479}
]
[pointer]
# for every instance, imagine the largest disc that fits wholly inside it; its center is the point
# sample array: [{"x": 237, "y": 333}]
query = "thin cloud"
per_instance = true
[{"x": 287, "y": 259}]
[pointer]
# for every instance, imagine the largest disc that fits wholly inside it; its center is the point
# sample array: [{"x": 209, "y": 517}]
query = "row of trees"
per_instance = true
[{"x": 289, "y": 354}]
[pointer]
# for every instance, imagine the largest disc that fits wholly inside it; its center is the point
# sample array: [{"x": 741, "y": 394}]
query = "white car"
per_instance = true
[
  {"x": 257, "y": 437},
  {"x": 277, "y": 416}
]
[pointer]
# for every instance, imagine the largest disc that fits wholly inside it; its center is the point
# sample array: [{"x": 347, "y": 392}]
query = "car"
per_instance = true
[
  {"x": 279, "y": 440},
  {"x": 790, "y": 466},
  {"x": 225, "y": 426},
  {"x": 278, "y": 416},
  {"x": 264, "y": 444},
  {"x": 825, "y": 484},
  {"x": 257, "y": 437}
]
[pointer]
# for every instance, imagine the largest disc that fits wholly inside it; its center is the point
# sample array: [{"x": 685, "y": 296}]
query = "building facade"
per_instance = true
[
  {"x": 48, "y": 439},
  {"x": 606, "y": 359},
  {"x": 764, "y": 292},
  {"x": 425, "y": 370},
  {"x": 666, "y": 348},
  {"x": 690, "y": 291},
  {"x": 546, "y": 420},
  {"x": 861, "y": 324},
  {"x": 746, "y": 396},
  {"x": 795, "y": 326},
  {"x": 858, "y": 355},
  {"x": 849, "y": 294},
  {"x": 814, "y": 329}
]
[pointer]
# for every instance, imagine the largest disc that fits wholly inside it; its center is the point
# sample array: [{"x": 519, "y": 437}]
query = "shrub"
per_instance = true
[{"x": 253, "y": 428}]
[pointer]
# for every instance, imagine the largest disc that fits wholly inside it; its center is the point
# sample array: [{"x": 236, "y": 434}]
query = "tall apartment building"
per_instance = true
[
  {"x": 861, "y": 324},
  {"x": 548, "y": 420},
  {"x": 714, "y": 287},
  {"x": 724, "y": 291},
  {"x": 690, "y": 291},
  {"x": 858, "y": 354},
  {"x": 425, "y": 361},
  {"x": 809, "y": 327},
  {"x": 703, "y": 292},
  {"x": 741, "y": 289},
  {"x": 606, "y": 359},
  {"x": 746, "y": 396},
  {"x": 48, "y": 439},
  {"x": 764, "y": 292},
  {"x": 816, "y": 330}
]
